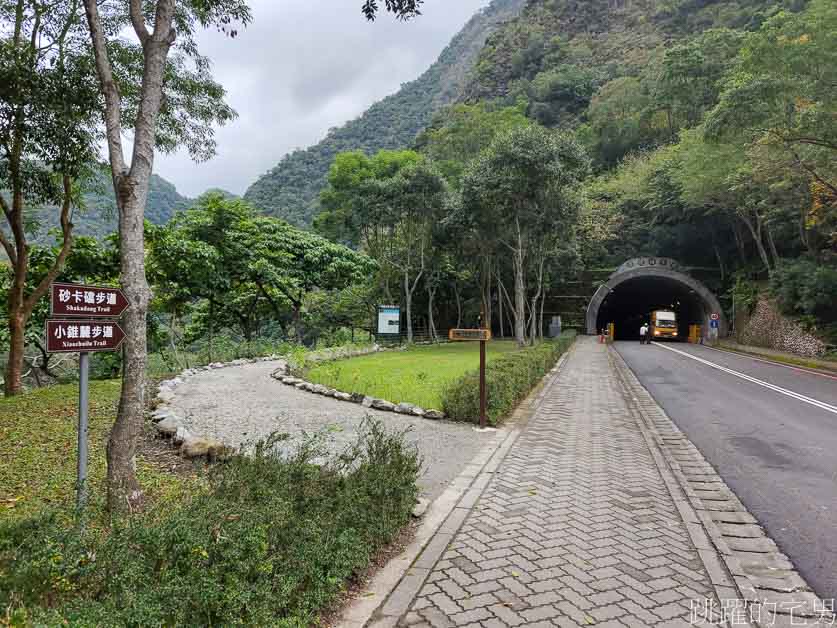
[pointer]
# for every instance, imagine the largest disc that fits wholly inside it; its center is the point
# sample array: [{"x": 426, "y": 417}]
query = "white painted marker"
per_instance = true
[{"x": 814, "y": 402}]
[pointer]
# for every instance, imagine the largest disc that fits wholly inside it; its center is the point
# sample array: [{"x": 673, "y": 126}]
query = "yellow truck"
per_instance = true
[{"x": 663, "y": 324}]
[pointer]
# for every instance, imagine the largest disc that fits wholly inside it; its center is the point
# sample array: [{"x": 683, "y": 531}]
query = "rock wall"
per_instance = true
[{"x": 767, "y": 327}]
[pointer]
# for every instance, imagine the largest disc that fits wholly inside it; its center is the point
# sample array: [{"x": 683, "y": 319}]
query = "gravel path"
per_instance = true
[{"x": 243, "y": 403}]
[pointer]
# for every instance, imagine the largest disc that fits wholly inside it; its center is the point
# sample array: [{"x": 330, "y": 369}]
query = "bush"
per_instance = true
[
  {"x": 805, "y": 287},
  {"x": 508, "y": 380},
  {"x": 273, "y": 541}
]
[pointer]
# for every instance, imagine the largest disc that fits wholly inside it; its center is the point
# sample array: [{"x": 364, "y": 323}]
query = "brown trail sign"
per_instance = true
[
  {"x": 77, "y": 336},
  {"x": 482, "y": 335},
  {"x": 69, "y": 299},
  {"x": 95, "y": 304}
]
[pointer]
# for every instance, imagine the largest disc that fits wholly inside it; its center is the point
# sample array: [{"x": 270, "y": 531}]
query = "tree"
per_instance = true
[
  {"x": 239, "y": 269},
  {"x": 414, "y": 201},
  {"x": 460, "y": 132},
  {"x": 782, "y": 94},
  {"x": 48, "y": 140},
  {"x": 87, "y": 261},
  {"x": 522, "y": 192},
  {"x": 153, "y": 121}
]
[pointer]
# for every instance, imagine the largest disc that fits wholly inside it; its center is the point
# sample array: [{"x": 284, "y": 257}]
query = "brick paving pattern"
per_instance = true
[{"x": 576, "y": 528}]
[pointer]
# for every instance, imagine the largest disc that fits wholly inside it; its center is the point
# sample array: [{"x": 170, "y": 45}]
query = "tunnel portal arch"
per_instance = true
[{"x": 660, "y": 273}]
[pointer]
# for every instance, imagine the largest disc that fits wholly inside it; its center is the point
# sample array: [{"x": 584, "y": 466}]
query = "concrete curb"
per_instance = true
[
  {"x": 392, "y": 590},
  {"x": 743, "y": 563}
]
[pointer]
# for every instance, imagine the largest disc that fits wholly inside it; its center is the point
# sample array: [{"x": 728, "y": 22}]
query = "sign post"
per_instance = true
[
  {"x": 83, "y": 404},
  {"x": 714, "y": 324},
  {"x": 83, "y": 336},
  {"x": 483, "y": 336}
]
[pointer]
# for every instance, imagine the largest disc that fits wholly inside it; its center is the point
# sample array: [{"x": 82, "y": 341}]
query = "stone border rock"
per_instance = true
[
  {"x": 169, "y": 425},
  {"x": 284, "y": 375}
]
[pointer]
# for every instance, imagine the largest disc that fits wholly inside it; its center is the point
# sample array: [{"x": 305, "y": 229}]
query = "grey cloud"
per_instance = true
[{"x": 297, "y": 71}]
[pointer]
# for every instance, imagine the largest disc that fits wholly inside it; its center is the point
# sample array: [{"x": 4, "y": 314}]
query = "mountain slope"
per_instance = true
[
  {"x": 99, "y": 216},
  {"x": 607, "y": 38},
  {"x": 291, "y": 189}
]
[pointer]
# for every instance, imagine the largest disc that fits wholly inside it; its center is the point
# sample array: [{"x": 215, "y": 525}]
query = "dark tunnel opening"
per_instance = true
[{"x": 631, "y": 302}]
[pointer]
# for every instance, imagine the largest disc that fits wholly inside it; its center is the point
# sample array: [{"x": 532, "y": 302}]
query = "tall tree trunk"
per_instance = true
[
  {"x": 13, "y": 383},
  {"x": 755, "y": 232},
  {"x": 408, "y": 307},
  {"x": 131, "y": 188},
  {"x": 458, "y": 304},
  {"x": 21, "y": 305},
  {"x": 431, "y": 323},
  {"x": 519, "y": 300},
  {"x": 540, "y": 317},
  {"x": 500, "y": 306},
  {"x": 124, "y": 492},
  {"x": 772, "y": 244}
]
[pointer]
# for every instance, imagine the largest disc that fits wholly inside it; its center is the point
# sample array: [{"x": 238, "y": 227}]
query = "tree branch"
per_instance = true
[
  {"x": 113, "y": 102},
  {"x": 138, "y": 21},
  {"x": 58, "y": 265},
  {"x": 10, "y": 249}
]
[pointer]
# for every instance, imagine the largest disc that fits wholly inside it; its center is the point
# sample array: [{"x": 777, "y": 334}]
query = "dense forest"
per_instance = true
[
  {"x": 710, "y": 130},
  {"x": 291, "y": 189}
]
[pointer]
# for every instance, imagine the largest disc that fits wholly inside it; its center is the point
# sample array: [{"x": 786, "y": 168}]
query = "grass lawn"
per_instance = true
[
  {"x": 417, "y": 375},
  {"x": 38, "y": 436}
]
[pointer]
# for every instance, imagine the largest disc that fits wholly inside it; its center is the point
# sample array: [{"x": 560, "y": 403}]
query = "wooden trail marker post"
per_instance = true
[
  {"x": 483, "y": 336},
  {"x": 89, "y": 332}
]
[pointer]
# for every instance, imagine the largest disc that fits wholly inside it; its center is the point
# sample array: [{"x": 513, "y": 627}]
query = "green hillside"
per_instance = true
[
  {"x": 566, "y": 50},
  {"x": 291, "y": 189},
  {"x": 98, "y": 216}
]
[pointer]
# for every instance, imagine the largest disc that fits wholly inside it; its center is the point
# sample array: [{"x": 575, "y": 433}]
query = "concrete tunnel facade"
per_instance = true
[{"x": 644, "y": 284}]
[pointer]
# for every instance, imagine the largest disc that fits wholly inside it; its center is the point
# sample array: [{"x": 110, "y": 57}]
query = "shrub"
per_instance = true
[
  {"x": 508, "y": 380},
  {"x": 805, "y": 287},
  {"x": 273, "y": 541}
]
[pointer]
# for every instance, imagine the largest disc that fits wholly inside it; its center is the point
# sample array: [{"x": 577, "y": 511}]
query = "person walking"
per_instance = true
[{"x": 643, "y": 334}]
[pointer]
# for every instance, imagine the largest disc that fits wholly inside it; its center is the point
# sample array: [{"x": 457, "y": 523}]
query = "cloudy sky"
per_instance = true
[{"x": 299, "y": 70}]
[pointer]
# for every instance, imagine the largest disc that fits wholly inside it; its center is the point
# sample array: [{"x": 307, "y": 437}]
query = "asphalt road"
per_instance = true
[{"x": 777, "y": 452}]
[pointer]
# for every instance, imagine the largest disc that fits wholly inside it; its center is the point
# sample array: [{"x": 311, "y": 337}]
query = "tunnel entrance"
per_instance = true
[{"x": 642, "y": 285}]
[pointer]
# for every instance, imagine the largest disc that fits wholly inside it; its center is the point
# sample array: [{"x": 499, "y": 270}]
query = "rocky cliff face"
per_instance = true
[{"x": 291, "y": 189}]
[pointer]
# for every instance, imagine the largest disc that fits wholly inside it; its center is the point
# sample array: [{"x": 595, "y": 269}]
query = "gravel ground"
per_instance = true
[{"x": 241, "y": 404}]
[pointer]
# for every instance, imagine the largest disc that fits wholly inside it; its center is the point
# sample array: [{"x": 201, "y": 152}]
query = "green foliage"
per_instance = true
[
  {"x": 96, "y": 214},
  {"x": 273, "y": 541},
  {"x": 224, "y": 265},
  {"x": 508, "y": 380},
  {"x": 460, "y": 132},
  {"x": 804, "y": 287},
  {"x": 419, "y": 374},
  {"x": 353, "y": 202},
  {"x": 89, "y": 261},
  {"x": 37, "y": 438},
  {"x": 746, "y": 294},
  {"x": 291, "y": 189}
]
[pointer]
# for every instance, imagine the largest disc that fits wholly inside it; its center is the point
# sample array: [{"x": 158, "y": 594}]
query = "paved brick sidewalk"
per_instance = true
[{"x": 576, "y": 528}]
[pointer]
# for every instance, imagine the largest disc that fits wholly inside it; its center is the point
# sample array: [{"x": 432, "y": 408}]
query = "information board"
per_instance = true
[{"x": 389, "y": 320}]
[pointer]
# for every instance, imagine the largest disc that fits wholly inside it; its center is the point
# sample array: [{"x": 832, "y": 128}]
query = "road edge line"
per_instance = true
[
  {"x": 710, "y": 503},
  {"x": 755, "y": 380},
  {"x": 760, "y": 358}
]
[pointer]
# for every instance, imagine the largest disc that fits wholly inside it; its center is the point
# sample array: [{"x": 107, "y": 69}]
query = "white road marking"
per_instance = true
[
  {"x": 786, "y": 366},
  {"x": 814, "y": 402}
]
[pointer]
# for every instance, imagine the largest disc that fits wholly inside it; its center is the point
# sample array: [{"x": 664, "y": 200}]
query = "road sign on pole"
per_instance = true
[
  {"x": 83, "y": 335},
  {"x": 77, "y": 336},
  {"x": 715, "y": 316},
  {"x": 481, "y": 335},
  {"x": 70, "y": 300},
  {"x": 469, "y": 334}
]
